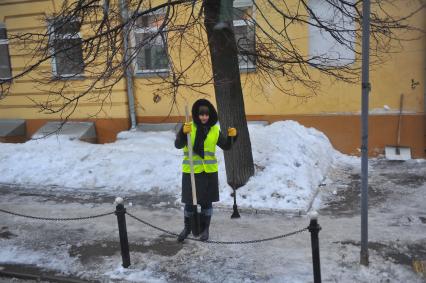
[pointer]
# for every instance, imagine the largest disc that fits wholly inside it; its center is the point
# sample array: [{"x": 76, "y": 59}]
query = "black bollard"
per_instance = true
[
  {"x": 122, "y": 229},
  {"x": 235, "y": 213},
  {"x": 314, "y": 228}
]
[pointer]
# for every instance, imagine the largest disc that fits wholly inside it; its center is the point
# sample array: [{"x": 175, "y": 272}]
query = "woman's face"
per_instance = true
[{"x": 204, "y": 117}]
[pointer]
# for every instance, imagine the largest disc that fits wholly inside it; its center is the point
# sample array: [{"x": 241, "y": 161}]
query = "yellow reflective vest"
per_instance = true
[{"x": 209, "y": 163}]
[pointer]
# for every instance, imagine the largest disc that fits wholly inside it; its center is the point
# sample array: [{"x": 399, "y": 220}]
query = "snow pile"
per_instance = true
[
  {"x": 291, "y": 161},
  {"x": 137, "y": 161}
]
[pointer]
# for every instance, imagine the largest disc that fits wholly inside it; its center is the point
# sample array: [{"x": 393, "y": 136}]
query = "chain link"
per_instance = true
[
  {"x": 258, "y": 240},
  {"x": 220, "y": 242},
  {"x": 158, "y": 228},
  {"x": 150, "y": 225},
  {"x": 56, "y": 219}
]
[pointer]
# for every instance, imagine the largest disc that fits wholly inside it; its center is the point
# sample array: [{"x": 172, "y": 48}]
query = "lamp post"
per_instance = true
[{"x": 364, "y": 139}]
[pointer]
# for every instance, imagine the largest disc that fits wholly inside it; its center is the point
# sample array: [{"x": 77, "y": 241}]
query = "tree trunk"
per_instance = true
[{"x": 229, "y": 95}]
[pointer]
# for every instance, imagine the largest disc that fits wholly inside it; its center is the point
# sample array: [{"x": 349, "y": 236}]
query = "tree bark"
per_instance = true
[{"x": 229, "y": 95}]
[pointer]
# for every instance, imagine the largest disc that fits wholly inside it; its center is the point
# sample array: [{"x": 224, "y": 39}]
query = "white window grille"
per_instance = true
[
  {"x": 66, "y": 45},
  {"x": 150, "y": 44},
  {"x": 244, "y": 30},
  {"x": 5, "y": 65}
]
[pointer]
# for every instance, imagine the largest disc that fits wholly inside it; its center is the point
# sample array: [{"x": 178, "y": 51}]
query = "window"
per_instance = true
[
  {"x": 245, "y": 34},
  {"x": 151, "y": 45},
  {"x": 5, "y": 66},
  {"x": 323, "y": 47},
  {"x": 66, "y": 44}
]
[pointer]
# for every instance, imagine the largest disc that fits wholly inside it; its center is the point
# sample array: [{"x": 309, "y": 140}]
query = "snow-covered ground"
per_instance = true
[
  {"x": 90, "y": 249},
  {"x": 290, "y": 160}
]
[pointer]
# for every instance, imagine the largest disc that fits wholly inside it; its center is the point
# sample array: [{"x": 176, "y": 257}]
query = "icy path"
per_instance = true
[{"x": 90, "y": 249}]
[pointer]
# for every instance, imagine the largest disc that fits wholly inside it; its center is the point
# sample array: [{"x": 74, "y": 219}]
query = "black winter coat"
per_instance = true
[{"x": 207, "y": 184}]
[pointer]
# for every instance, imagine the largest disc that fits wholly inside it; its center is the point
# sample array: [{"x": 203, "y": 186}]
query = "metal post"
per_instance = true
[
  {"x": 364, "y": 147},
  {"x": 225, "y": 16},
  {"x": 122, "y": 229},
  {"x": 127, "y": 64},
  {"x": 314, "y": 228},
  {"x": 226, "y": 9}
]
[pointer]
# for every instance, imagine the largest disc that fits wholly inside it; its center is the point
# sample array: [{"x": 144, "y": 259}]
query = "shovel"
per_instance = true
[
  {"x": 398, "y": 152},
  {"x": 195, "y": 220}
]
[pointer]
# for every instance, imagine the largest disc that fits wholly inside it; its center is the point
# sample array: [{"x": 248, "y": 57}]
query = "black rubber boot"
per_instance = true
[
  {"x": 206, "y": 225},
  {"x": 186, "y": 230}
]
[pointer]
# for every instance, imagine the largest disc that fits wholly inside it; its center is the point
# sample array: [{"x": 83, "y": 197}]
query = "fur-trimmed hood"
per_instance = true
[{"x": 212, "y": 112}]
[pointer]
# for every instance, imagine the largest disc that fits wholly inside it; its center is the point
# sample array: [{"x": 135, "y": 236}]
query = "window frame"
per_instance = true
[
  {"x": 329, "y": 61},
  {"x": 53, "y": 36},
  {"x": 5, "y": 41},
  {"x": 238, "y": 23},
  {"x": 147, "y": 30}
]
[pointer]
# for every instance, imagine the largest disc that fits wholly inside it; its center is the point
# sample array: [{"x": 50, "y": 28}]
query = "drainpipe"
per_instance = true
[
  {"x": 424, "y": 101},
  {"x": 128, "y": 70}
]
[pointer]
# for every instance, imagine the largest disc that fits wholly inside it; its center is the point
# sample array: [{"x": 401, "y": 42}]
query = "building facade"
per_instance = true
[{"x": 334, "y": 109}]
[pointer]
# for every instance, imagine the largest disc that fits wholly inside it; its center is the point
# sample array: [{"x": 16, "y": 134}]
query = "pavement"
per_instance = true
[{"x": 89, "y": 250}]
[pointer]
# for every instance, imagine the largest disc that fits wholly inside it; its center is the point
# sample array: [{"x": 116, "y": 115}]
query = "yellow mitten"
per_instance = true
[
  {"x": 187, "y": 128},
  {"x": 232, "y": 132}
]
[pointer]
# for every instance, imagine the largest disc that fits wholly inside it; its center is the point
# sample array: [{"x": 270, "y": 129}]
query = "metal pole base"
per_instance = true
[
  {"x": 364, "y": 258},
  {"x": 235, "y": 214}
]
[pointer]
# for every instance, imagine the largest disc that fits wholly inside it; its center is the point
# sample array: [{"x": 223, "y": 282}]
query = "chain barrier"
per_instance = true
[
  {"x": 157, "y": 228},
  {"x": 120, "y": 212},
  {"x": 220, "y": 242},
  {"x": 56, "y": 219}
]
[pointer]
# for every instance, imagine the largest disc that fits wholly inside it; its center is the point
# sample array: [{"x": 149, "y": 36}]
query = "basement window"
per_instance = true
[{"x": 5, "y": 65}]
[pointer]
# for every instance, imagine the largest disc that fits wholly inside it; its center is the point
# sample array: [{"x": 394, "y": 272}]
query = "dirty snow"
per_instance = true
[{"x": 293, "y": 163}]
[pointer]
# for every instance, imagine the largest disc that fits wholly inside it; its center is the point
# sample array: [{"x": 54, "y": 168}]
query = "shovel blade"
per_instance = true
[{"x": 397, "y": 153}]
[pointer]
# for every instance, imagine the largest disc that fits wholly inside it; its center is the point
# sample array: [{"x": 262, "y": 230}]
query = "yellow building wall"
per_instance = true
[
  {"x": 336, "y": 106},
  {"x": 21, "y": 16},
  {"x": 389, "y": 80},
  {"x": 334, "y": 99}
]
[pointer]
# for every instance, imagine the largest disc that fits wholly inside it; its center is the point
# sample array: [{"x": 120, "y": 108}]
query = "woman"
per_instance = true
[{"x": 205, "y": 135}]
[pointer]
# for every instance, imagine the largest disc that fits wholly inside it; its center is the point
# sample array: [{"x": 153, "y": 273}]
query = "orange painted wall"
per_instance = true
[{"x": 344, "y": 131}]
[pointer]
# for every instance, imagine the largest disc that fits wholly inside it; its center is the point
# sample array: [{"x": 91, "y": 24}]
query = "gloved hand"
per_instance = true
[
  {"x": 232, "y": 132},
  {"x": 187, "y": 128}
]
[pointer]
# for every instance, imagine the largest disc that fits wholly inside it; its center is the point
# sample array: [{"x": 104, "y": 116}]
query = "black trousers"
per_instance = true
[{"x": 206, "y": 209}]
